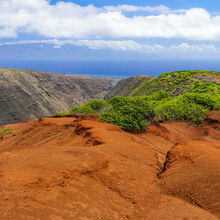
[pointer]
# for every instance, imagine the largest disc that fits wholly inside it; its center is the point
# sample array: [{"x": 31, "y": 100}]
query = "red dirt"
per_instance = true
[{"x": 75, "y": 168}]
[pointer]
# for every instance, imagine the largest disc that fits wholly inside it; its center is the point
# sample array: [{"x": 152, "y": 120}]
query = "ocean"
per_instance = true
[{"x": 110, "y": 68}]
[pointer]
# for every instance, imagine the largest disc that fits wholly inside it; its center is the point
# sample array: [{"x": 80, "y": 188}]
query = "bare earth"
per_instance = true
[{"x": 78, "y": 168}]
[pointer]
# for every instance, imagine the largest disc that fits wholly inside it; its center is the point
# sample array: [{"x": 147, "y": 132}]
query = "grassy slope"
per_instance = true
[{"x": 174, "y": 83}]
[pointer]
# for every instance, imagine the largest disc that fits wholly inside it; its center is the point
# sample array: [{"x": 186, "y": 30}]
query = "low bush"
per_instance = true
[
  {"x": 4, "y": 131},
  {"x": 119, "y": 99},
  {"x": 206, "y": 88},
  {"x": 181, "y": 109},
  {"x": 159, "y": 96},
  {"x": 129, "y": 113},
  {"x": 96, "y": 104},
  {"x": 206, "y": 100},
  {"x": 93, "y": 106},
  {"x": 83, "y": 109}
]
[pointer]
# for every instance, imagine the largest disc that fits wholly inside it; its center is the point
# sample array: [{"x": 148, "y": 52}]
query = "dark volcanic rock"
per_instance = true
[{"x": 31, "y": 94}]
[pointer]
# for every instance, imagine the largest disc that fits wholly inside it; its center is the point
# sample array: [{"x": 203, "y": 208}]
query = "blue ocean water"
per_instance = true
[{"x": 110, "y": 68}]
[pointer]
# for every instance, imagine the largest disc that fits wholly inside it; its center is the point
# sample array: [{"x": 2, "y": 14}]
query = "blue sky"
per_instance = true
[
  {"x": 211, "y": 5},
  {"x": 98, "y": 29}
]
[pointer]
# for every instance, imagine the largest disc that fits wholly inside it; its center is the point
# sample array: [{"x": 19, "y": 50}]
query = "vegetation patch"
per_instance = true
[
  {"x": 129, "y": 113},
  {"x": 93, "y": 106},
  {"x": 4, "y": 131},
  {"x": 181, "y": 110},
  {"x": 206, "y": 88}
]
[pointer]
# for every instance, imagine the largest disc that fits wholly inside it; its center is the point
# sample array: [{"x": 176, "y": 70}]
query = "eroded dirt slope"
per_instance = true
[{"x": 79, "y": 168}]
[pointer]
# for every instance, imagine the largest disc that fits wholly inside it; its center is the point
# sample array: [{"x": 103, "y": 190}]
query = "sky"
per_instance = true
[{"x": 108, "y": 29}]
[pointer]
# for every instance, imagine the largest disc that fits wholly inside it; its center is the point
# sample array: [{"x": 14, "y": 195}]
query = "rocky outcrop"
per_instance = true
[{"x": 31, "y": 94}]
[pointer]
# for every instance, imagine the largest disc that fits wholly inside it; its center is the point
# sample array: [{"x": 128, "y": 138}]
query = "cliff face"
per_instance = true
[{"x": 31, "y": 94}]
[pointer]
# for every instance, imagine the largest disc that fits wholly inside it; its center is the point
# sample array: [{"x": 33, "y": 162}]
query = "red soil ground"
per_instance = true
[{"x": 78, "y": 168}]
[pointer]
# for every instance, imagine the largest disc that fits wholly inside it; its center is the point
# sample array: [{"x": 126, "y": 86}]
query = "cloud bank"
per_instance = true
[
  {"x": 125, "y": 45},
  {"x": 71, "y": 21}
]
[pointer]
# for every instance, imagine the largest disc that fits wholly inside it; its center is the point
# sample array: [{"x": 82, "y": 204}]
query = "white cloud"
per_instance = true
[
  {"x": 112, "y": 45},
  {"x": 7, "y": 32},
  {"x": 57, "y": 46},
  {"x": 91, "y": 44},
  {"x": 133, "y": 8},
  {"x": 71, "y": 21},
  {"x": 195, "y": 47},
  {"x": 129, "y": 45}
]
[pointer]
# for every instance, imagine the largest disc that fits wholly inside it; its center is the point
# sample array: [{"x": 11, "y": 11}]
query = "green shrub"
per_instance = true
[
  {"x": 93, "y": 106},
  {"x": 158, "y": 96},
  {"x": 206, "y": 87},
  {"x": 181, "y": 109},
  {"x": 96, "y": 104},
  {"x": 129, "y": 113},
  {"x": 83, "y": 109},
  {"x": 4, "y": 131},
  {"x": 206, "y": 100},
  {"x": 118, "y": 99}
]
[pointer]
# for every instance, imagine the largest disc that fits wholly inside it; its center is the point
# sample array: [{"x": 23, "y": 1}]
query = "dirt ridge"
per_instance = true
[{"x": 79, "y": 168}]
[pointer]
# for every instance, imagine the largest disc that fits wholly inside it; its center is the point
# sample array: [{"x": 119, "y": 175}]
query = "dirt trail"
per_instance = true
[{"x": 79, "y": 168}]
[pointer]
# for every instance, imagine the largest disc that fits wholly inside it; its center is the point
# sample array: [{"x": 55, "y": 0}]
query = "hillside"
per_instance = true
[
  {"x": 26, "y": 95},
  {"x": 174, "y": 83},
  {"x": 126, "y": 86},
  {"x": 78, "y": 168}
]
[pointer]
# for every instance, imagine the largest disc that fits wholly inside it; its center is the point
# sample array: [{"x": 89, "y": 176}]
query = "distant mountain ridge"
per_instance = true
[{"x": 26, "y": 95}]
